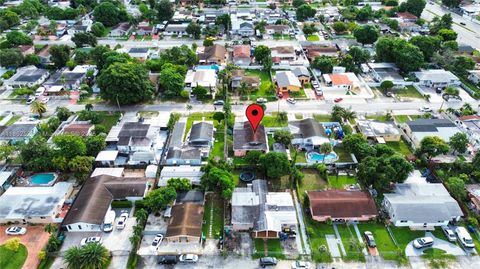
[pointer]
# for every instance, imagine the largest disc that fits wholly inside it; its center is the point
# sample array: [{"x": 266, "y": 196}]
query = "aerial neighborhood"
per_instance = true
[{"x": 239, "y": 134}]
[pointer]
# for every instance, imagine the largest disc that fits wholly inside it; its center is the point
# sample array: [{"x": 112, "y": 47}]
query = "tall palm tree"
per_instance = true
[
  {"x": 94, "y": 256},
  {"x": 348, "y": 115},
  {"x": 88, "y": 107},
  {"x": 337, "y": 112},
  {"x": 450, "y": 91},
  {"x": 38, "y": 107},
  {"x": 325, "y": 149}
]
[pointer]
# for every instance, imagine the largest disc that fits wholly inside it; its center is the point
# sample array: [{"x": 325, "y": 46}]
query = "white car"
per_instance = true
[
  {"x": 157, "y": 241},
  {"x": 122, "y": 221},
  {"x": 425, "y": 109},
  {"x": 449, "y": 234},
  {"x": 93, "y": 239},
  {"x": 30, "y": 100},
  {"x": 300, "y": 265},
  {"x": 291, "y": 101},
  {"x": 423, "y": 242},
  {"x": 45, "y": 100},
  {"x": 16, "y": 230},
  {"x": 191, "y": 258},
  {"x": 261, "y": 100}
]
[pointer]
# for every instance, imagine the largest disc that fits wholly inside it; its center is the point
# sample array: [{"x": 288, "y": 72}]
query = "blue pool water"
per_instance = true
[
  {"x": 42, "y": 179},
  {"x": 318, "y": 157}
]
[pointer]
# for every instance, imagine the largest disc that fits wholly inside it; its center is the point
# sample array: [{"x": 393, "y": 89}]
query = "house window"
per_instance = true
[
  {"x": 69, "y": 227},
  {"x": 42, "y": 217},
  {"x": 79, "y": 227}
]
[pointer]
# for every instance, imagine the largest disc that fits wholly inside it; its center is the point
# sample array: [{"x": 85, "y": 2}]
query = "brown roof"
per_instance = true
[
  {"x": 216, "y": 51},
  {"x": 98, "y": 192},
  {"x": 24, "y": 48},
  {"x": 284, "y": 49},
  {"x": 244, "y": 138},
  {"x": 79, "y": 129},
  {"x": 406, "y": 15},
  {"x": 470, "y": 117},
  {"x": 186, "y": 220},
  {"x": 340, "y": 79},
  {"x": 277, "y": 28},
  {"x": 241, "y": 51},
  {"x": 341, "y": 203}
]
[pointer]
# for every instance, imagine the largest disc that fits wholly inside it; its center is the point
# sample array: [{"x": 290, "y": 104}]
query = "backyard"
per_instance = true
[
  {"x": 339, "y": 182},
  {"x": 343, "y": 155},
  {"x": 219, "y": 144},
  {"x": 400, "y": 147},
  {"x": 213, "y": 217},
  {"x": 12, "y": 260},
  {"x": 311, "y": 181}
]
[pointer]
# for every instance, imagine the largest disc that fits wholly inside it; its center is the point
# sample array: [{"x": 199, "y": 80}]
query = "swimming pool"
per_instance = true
[
  {"x": 42, "y": 178},
  {"x": 315, "y": 157}
]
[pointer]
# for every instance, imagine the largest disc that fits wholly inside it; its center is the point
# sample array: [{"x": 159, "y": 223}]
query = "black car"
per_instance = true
[
  {"x": 167, "y": 259},
  {"x": 268, "y": 261}
]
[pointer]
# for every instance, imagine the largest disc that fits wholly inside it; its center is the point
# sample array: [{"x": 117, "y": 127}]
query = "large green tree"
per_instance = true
[
  {"x": 275, "y": 164},
  {"x": 70, "y": 145},
  {"x": 160, "y": 198},
  {"x": 219, "y": 180},
  {"x": 171, "y": 81},
  {"x": 11, "y": 58},
  {"x": 60, "y": 54},
  {"x": 432, "y": 146},
  {"x": 165, "y": 10},
  {"x": 81, "y": 39},
  {"x": 109, "y": 14},
  {"x": 451, "y": 3},
  {"x": 324, "y": 63},
  {"x": 304, "y": 12},
  {"x": 458, "y": 142},
  {"x": 15, "y": 38},
  {"x": 92, "y": 255},
  {"x": 283, "y": 137},
  {"x": 366, "y": 34},
  {"x": 413, "y": 6},
  {"x": 194, "y": 30},
  {"x": 125, "y": 83},
  {"x": 427, "y": 44},
  {"x": 263, "y": 55}
]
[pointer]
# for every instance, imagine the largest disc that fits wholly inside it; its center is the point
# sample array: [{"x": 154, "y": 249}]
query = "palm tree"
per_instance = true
[
  {"x": 73, "y": 258},
  {"x": 450, "y": 91},
  {"x": 189, "y": 107},
  {"x": 450, "y": 110},
  {"x": 348, "y": 115},
  {"x": 50, "y": 228},
  {"x": 88, "y": 107},
  {"x": 141, "y": 215},
  {"x": 337, "y": 113},
  {"x": 325, "y": 149},
  {"x": 38, "y": 107},
  {"x": 94, "y": 256},
  {"x": 282, "y": 116}
]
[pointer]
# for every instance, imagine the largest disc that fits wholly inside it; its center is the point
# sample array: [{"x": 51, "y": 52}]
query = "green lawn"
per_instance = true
[
  {"x": 313, "y": 38},
  {"x": 410, "y": 92},
  {"x": 148, "y": 114},
  {"x": 265, "y": 83},
  {"x": 347, "y": 233},
  {"x": 311, "y": 181},
  {"x": 400, "y": 147},
  {"x": 341, "y": 181},
  {"x": 298, "y": 116},
  {"x": 108, "y": 119},
  {"x": 215, "y": 202},
  {"x": 322, "y": 118},
  {"x": 401, "y": 118},
  {"x": 274, "y": 248},
  {"x": 300, "y": 156},
  {"x": 218, "y": 146},
  {"x": 299, "y": 94},
  {"x": 273, "y": 121},
  {"x": 12, "y": 120},
  {"x": 385, "y": 245},
  {"x": 404, "y": 235},
  {"x": 316, "y": 233},
  {"x": 12, "y": 260},
  {"x": 343, "y": 155},
  {"x": 382, "y": 118}
]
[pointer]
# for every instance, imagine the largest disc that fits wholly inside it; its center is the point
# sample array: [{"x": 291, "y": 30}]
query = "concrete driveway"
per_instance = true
[
  {"x": 446, "y": 246},
  {"x": 34, "y": 240}
]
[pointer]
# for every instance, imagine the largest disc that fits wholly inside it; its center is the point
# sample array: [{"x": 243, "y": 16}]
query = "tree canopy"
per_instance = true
[
  {"x": 275, "y": 164},
  {"x": 366, "y": 34},
  {"x": 109, "y": 14},
  {"x": 432, "y": 146}
]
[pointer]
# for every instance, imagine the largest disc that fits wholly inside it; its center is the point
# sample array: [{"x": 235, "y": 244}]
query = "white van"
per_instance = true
[
  {"x": 40, "y": 91},
  {"x": 108, "y": 221},
  {"x": 464, "y": 237}
]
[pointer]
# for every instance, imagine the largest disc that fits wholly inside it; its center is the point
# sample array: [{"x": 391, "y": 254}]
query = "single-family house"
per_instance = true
[
  {"x": 121, "y": 29},
  {"x": 245, "y": 139},
  {"x": 242, "y": 55},
  {"x": 473, "y": 193},
  {"x": 384, "y": 71},
  {"x": 95, "y": 197},
  {"x": 339, "y": 81},
  {"x": 421, "y": 205},
  {"x": 379, "y": 131},
  {"x": 79, "y": 128},
  {"x": 474, "y": 76},
  {"x": 437, "y": 78},
  {"x": 287, "y": 81},
  {"x": 176, "y": 29},
  {"x": 139, "y": 53},
  {"x": 183, "y": 156},
  {"x": 277, "y": 29},
  {"x": 185, "y": 224},
  {"x": 266, "y": 214},
  {"x": 308, "y": 134},
  {"x": 44, "y": 55},
  {"x": 201, "y": 135},
  {"x": 406, "y": 17},
  {"x": 341, "y": 205},
  {"x": 34, "y": 204},
  {"x": 302, "y": 74},
  {"x": 283, "y": 54},
  {"x": 106, "y": 158},
  {"x": 192, "y": 173},
  {"x": 418, "y": 129},
  {"x": 67, "y": 79},
  {"x": 26, "y": 49},
  {"x": 216, "y": 54},
  {"x": 313, "y": 51},
  {"x": 19, "y": 132},
  {"x": 206, "y": 78},
  {"x": 242, "y": 28},
  {"x": 27, "y": 76},
  {"x": 144, "y": 29},
  {"x": 239, "y": 77}
]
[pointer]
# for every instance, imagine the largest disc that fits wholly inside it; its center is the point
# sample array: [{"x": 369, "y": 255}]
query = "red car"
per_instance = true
[{"x": 338, "y": 100}]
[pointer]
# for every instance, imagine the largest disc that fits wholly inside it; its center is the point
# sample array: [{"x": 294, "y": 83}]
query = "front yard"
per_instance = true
[
  {"x": 316, "y": 233},
  {"x": 409, "y": 92},
  {"x": 109, "y": 119},
  {"x": 219, "y": 144},
  {"x": 274, "y": 121},
  {"x": 265, "y": 83},
  {"x": 12, "y": 260},
  {"x": 213, "y": 217},
  {"x": 387, "y": 249},
  {"x": 313, "y": 38},
  {"x": 274, "y": 248}
]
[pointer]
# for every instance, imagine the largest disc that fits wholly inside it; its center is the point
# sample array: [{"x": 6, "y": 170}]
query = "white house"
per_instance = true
[
  {"x": 202, "y": 77},
  {"x": 27, "y": 76},
  {"x": 176, "y": 29},
  {"x": 192, "y": 173},
  {"x": 436, "y": 78},
  {"x": 34, "y": 204},
  {"x": 418, "y": 129},
  {"x": 421, "y": 205},
  {"x": 308, "y": 134}
]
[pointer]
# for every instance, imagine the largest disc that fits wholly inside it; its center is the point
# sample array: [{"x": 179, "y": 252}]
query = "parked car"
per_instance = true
[
  {"x": 464, "y": 237},
  {"x": 425, "y": 109},
  {"x": 16, "y": 230},
  {"x": 122, "y": 221},
  {"x": 30, "y": 100},
  {"x": 167, "y": 259},
  {"x": 261, "y": 100},
  {"x": 267, "y": 261},
  {"x": 40, "y": 91},
  {"x": 291, "y": 101},
  {"x": 338, "y": 100},
  {"x": 300, "y": 265},
  {"x": 189, "y": 258},
  {"x": 449, "y": 234},
  {"x": 462, "y": 23},
  {"x": 369, "y": 238},
  {"x": 45, "y": 100},
  {"x": 219, "y": 103},
  {"x": 88, "y": 240},
  {"x": 157, "y": 241},
  {"x": 423, "y": 242}
]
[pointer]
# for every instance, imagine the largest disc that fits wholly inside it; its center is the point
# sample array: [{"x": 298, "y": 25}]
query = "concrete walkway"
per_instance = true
[
  {"x": 306, "y": 246},
  {"x": 332, "y": 243},
  {"x": 339, "y": 239},
  {"x": 360, "y": 238}
]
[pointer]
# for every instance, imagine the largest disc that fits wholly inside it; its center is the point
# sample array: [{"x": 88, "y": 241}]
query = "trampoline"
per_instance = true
[{"x": 247, "y": 176}]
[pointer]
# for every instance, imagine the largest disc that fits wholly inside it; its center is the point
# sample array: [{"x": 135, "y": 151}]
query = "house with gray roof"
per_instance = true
[
  {"x": 436, "y": 78},
  {"x": 245, "y": 139},
  {"x": 302, "y": 74},
  {"x": 201, "y": 135},
  {"x": 27, "y": 76},
  {"x": 418, "y": 129},
  {"x": 194, "y": 148},
  {"x": 266, "y": 214},
  {"x": 19, "y": 132},
  {"x": 379, "y": 131},
  {"x": 421, "y": 205},
  {"x": 308, "y": 134}
]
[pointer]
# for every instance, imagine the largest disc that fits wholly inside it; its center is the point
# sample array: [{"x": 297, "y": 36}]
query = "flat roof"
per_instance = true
[{"x": 107, "y": 155}]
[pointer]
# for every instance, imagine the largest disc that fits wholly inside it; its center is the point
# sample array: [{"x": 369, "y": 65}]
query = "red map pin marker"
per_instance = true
[{"x": 254, "y": 114}]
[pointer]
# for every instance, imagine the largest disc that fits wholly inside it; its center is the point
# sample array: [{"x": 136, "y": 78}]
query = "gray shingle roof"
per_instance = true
[
  {"x": 245, "y": 139},
  {"x": 429, "y": 125},
  {"x": 309, "y": 128},
  {"x": 202, "y": 131},
  {"x": 18, "y": 130}
]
